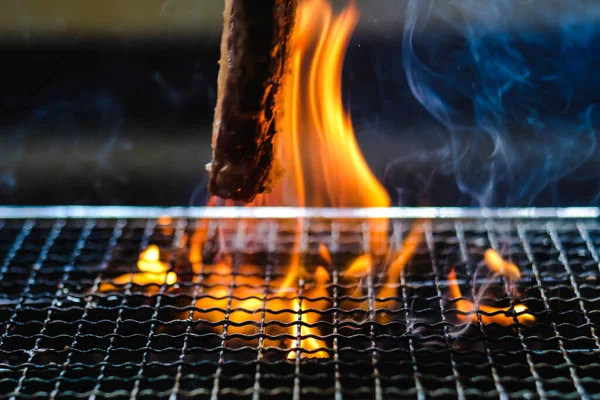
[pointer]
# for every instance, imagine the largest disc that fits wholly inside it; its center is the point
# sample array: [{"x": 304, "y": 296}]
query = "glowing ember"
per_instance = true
[
  {"x": 502, "y": 316},
  {"x": 501, "y": 267}
]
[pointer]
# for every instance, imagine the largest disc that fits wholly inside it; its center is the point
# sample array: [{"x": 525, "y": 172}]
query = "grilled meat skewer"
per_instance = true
[{"x": 253, "y": 51}]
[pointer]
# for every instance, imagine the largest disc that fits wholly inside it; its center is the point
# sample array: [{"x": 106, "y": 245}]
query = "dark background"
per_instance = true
[{"x": 486, "y": 104}]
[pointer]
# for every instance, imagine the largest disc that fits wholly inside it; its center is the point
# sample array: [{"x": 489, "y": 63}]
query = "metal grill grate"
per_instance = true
[{"x": 61, "y": 335}]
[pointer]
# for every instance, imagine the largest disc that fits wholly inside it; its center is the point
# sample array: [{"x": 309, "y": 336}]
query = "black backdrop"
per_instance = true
[{"x": 126, "y": 120}]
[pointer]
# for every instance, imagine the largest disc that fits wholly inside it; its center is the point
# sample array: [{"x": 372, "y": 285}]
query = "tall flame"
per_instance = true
[{"x": 317, "y": 147}]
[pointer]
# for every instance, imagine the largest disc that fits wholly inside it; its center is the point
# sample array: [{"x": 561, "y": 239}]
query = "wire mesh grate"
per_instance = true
[{"x": 72, "y": 326}]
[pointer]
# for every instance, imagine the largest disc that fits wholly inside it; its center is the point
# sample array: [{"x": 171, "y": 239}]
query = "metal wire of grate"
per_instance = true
[{"x": 217, "y": 334}]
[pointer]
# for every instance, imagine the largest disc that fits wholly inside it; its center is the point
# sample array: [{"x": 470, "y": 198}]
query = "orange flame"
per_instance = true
[
  {"x": 146, "y": 278},
  {"x": 151, "y": 271},
  {"x": 501, "y": 267},
  {"x": 149, "y": 261},
  {"x": 360, "y": 266},
  {"x": 324, "y": 253},
  {"x": 409, "y": 247},
  {"x": 502, "y": 316},
  {"x": 363, "y": 265},
  {"x": 317, "y": 147},
  {"x": 318, "y": 301},
  {"x": 242, "y": 296}
]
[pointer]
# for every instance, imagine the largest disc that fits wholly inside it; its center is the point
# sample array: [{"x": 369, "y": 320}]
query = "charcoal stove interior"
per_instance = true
[{"x": 63, "y": 335}]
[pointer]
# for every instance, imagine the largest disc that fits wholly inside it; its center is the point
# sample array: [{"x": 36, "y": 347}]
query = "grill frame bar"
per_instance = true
[{"x": 121, "y": 212}]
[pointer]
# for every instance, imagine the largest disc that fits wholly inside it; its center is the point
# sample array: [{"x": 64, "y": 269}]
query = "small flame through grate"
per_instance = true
[{"x": 71, "y": 325}]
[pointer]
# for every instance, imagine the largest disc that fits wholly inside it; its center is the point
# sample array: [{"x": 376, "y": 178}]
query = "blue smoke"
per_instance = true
[{"x": 516, "y": 84}]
